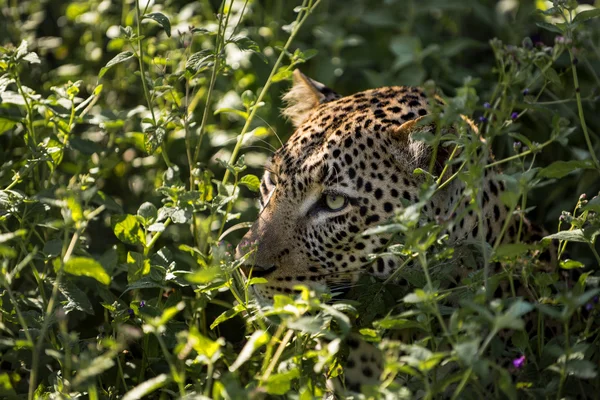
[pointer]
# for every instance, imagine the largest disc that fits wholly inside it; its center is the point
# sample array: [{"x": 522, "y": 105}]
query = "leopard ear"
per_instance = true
[
  {"x": 420, "y": 153},
  {"x": 304, "y": 96},
  {"x": 403, "y": 132}
]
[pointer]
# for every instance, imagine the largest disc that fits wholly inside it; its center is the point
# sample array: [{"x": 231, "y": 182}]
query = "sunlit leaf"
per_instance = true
[{"x": 85, "y": 266}]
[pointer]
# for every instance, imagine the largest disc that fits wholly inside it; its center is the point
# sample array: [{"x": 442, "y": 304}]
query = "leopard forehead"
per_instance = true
[{"x": 350, "y": 125}]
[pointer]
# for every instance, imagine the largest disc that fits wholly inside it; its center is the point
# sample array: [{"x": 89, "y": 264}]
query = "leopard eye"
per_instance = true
[{"x": 335, "y": 202}]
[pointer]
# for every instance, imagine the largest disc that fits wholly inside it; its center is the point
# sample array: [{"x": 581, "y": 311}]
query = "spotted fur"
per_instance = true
[{"x": 359, "y": 147}]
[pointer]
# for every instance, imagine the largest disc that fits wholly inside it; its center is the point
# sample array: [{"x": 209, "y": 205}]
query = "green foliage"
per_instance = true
[{"x": 123, "y": 189}]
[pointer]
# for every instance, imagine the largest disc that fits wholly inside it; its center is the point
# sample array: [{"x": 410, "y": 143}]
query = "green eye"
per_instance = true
[{"x": 335, "y": 202}]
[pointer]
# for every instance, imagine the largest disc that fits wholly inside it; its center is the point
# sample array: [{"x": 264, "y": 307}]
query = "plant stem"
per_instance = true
[
  {"x": 213, "y": 77},
  {"x": 580, "y": 112},
  {"x": 144, "y": 85},
  {"x": 302, "y": 17}
]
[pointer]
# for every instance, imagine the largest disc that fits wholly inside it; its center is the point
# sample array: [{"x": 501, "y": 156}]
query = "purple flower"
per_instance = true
[
  {"x": 487, "y": 105},
  {"x": 482, "y": 119},
  {"x": 525, "y": 92},
  {"x": 589, "y": 306},
  {"x": 130, "y": 312},
  {"x": 596, "y": 299},
  {"x": 514, "y": 115},
  {"x": 519, "y": 362},
  {"x": 142, "y": 304}
]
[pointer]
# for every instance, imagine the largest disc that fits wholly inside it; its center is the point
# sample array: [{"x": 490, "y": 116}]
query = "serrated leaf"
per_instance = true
[
  {"x": 85, "y": 266},
  {"x": 76, "y": 298},
  {"x": 162, "y": 19},
  {"x": 559, "y": 169},
  {"x": 199, "y": 60},
  {"x": 251, "y": 182},
  {"x": 119, "y": 58}
]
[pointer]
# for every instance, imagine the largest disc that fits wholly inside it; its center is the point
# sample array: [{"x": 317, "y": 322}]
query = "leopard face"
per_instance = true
[{"x": 348, "y": 167}]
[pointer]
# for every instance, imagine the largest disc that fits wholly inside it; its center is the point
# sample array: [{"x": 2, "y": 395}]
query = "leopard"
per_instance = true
[{"x": 350, "y": 166}]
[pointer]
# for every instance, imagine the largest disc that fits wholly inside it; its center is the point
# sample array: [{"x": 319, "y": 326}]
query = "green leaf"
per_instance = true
[
  {"x": 5, "y": 237},
  {"x": 148, "y": 213},
  {"x": 587, "y": 14},
  {"x": 226, "y": 110},
  {"x": 85, "y": 266},
  {"x": 576, "y": 235},
  {"x": 571, "y": 264},
  {"x": 95, "y": 368},
  {"x": 258, "y": 338},
  {"x": 559, "y": 169},
  {"x": 284, "y": 73},
  {"x": 200, "y": 60},
  {"x": 153, "y": 138},
  {"x": 583, "y": 369},
  {"x": 506, "y": 384},
  {"x": 467, "y": 351},
  {"x": 232, "y": 312},
  {"x": 137, "y": 266},
  {"x": 251, "y": 182},
  {"x": 593, "y": 205},
  {"x": 127, "y": 229},
  {"x": 510, "y": 250},
  {"x": 148, "y": 386},
  {"x": 204, "y": 276},
  {"x": 6, "y": 125},
  {"x": 76, "y": 298},
  {"x": 162, "y": 19},
  {"x": 549, "y": 27},
  {"x": 6, "y": 388},
  {"x": 168, "y": 314},
  {"x": 204, "y": 346},
  {"x": 511, "y": 319},
  {"x": 280, "y": 384},
  {"x": 552, "y": 76},
  {"x": 119, "y": 58}
]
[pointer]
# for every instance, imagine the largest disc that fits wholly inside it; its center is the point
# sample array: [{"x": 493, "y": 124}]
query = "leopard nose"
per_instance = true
[{"x": 258, "y": 271}]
